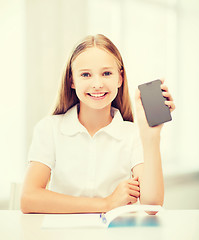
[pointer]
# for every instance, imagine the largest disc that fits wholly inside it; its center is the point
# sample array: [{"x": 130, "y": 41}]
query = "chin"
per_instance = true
[{"x": 98, "y": 107}]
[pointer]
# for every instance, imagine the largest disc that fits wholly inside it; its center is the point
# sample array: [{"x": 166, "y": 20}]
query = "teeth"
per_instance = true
[{"x": 97, "y": 95}]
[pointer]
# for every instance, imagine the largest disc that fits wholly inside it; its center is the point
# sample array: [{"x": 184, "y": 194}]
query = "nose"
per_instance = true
[{"x": 97, "y": 82}]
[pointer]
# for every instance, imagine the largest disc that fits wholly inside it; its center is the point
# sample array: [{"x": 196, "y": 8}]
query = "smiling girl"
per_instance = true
[{"x": 94, "y": 155}]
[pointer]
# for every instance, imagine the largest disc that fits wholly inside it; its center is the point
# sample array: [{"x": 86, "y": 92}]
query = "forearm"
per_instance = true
[
  {"x": 45, "y": 201},
  {"x": 151, "y": 181}
]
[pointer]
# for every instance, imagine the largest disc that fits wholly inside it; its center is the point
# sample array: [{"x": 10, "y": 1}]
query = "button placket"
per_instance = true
[{"x": 91, "y": 166}]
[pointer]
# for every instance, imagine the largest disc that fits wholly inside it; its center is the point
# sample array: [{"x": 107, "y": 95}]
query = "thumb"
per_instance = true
[{"x": 137, "y": 94}]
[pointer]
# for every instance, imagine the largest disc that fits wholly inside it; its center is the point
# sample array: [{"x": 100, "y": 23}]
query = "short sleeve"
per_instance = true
[
  {"x": 137, "y": 156},
  {"x": 42, "y": 146}
]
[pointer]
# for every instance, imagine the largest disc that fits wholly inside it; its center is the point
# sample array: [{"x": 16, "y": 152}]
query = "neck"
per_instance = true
[{"x": 94, "y": 119}]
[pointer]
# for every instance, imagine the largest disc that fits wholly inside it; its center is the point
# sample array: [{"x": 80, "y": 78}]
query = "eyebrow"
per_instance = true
[{"x": 87, "y": 69}]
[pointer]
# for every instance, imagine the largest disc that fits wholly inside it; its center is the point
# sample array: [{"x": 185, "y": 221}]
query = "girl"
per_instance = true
[{"x": 90, "y": 147}]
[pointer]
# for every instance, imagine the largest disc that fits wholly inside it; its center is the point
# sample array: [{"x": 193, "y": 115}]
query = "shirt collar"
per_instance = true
[{"x": 70, "y": 124}]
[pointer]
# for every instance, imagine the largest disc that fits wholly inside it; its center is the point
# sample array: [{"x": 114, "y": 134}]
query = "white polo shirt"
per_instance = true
[{"x": 82, "y": 165}]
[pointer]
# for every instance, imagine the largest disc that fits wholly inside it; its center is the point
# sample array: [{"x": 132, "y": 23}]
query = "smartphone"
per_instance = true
[{"x": 154, "y": 103}]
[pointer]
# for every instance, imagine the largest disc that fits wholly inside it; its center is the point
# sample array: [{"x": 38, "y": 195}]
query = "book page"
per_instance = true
[
  {"x": 72, "y": 220},
  {"x": 92, "y": 219},
  {"x": 111, "y": 215}
]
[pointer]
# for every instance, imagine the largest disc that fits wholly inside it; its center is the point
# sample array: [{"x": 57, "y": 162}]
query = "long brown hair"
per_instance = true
[{"x": 67, "y": 97}]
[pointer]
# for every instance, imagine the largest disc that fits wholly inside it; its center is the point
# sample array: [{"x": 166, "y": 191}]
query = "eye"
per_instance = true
[
  {"x": 86, "y": 74},
  {"x": 107, "y": 73}
]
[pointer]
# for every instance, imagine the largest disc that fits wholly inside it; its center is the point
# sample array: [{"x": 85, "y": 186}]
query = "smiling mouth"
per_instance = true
[{"x": 97, "y": 95}]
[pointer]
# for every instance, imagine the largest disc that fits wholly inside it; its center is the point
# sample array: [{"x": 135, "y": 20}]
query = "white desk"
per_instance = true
[{"x": 173, "y": 225}]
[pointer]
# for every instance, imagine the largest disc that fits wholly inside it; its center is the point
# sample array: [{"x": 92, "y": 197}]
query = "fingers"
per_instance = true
[
  {"x": 132, "y": 200},
  {"x": 171, "y": 105},
  {"x": 134, "y": 189},
  {"x": 133, "y": 179},
  {"x": 169, "y": 102},
  {"x": 134, "y": 193},
  {"x": 133, "y": 183},
  {"x": 167, "y": 95},
  {"x": 127, "y": 192},
  {"x": 164, "y": 87},
  {"x": 162, "y": 80}
]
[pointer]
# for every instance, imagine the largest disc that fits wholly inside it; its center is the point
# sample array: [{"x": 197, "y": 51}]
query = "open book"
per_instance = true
[{"x": 112, "y": 218}]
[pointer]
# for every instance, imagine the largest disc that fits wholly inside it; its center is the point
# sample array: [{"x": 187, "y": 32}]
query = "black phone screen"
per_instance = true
[{"x": 154, "y": 103}]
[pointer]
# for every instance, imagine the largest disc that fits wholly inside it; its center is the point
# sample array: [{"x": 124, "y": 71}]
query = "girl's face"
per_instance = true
[{"x": 96, "y": 78}]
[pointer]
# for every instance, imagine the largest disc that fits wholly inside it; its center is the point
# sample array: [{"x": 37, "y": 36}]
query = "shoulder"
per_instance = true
[
  {"x": 48, "y": 122},
  {"x": 59, "y": 123}
]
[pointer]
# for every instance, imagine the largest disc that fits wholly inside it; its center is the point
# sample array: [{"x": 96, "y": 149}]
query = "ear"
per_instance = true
[
  {"x": 72, "y": 85},
  {"x": 120, "y": 81}
]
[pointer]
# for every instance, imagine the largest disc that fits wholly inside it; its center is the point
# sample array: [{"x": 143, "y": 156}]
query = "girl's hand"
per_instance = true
[
  {"x": 147, "y": 132},
  {"x": 125, "y": 193}
]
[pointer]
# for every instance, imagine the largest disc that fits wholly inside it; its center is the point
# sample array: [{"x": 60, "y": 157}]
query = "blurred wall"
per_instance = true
[
  {"x": 182, "y": 191},
  {"x": 13, "y": 94},
  {"x": 52, "y": 29}
]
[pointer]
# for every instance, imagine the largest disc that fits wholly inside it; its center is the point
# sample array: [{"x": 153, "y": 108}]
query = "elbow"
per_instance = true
[
  {"x": 152, "y": 199},
  {"x": 151, "y": 212},
  {"x": 156, "y": 201},
  {"x": 25, "y": 203}
]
